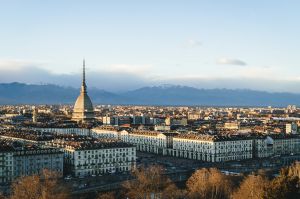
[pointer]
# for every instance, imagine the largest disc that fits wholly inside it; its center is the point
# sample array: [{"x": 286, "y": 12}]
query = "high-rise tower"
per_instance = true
[
  {"x": 83, "y": 108},
  {"x": 34, "y": 114}
]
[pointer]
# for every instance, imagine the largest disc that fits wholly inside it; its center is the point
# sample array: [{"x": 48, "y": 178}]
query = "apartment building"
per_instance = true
[
  {"x": 211, "y": 148},
  {"x": 91, "y": 156},
  {"x": 274, "y": 145},
  {"x": 65, "y": 131},
  {"x": 6, "y": 162},
  {"x": 21, "y": 159},
  {"x": 149, "y": 141},
  {"x": 33, "y": 159},
  {"x": 105, "y": 132}
]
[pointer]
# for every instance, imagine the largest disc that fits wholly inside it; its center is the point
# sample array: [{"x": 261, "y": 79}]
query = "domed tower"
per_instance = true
[{"x": 83, "y": 108}]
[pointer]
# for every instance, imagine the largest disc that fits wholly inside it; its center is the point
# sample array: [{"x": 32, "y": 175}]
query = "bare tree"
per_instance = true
[
  {"x": 286, "y": 185},
  {"x": 44, "y": 186},
  {"x": 26, "y": 187},
  {"x": 148, "y": 183},
  {"x": 109, "y": 195},
  {"x": 253, "y": 187},
  {"x": 294, "y": 171},
  {"x": 2, "y": 196},
  {"x": 209, "y": 183},
  {"x": 172, "y": 192}
]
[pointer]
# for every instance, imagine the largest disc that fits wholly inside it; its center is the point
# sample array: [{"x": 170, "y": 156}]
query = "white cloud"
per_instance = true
[
  {"x": 122, "y": 77},
  {"x": 231, "y": 62},
  {"x": 12, "y": 65},
  {"x": 118, "y": 77},
  {"x": 190, "y": 43}
]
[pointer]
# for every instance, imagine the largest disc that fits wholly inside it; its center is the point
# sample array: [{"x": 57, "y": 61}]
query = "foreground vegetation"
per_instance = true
[{"x": 151, "y": 184}]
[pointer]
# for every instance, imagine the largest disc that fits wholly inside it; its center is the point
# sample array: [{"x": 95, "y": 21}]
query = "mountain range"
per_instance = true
[{"x": 19, "y": 93}]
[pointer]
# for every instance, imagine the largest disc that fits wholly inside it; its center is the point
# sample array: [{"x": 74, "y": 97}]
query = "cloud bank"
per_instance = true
[
  {"x": 231, "y": 62},
  {"x": 122, "y": 77},
  {"x": 115, "y": 77}
]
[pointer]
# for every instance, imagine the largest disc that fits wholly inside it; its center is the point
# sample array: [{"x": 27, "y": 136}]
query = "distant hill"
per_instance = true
[
  {"x": 18, "y": 93},
  {"x": 183, "y": 95}
]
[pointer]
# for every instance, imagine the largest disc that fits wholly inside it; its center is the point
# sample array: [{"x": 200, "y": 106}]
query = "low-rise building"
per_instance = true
[
  {"x": 65, "y": 131},
  {"x": 291, "y": 128},
  {"x": 21, "y": 159},
  {"x": 106, "y": 120},
  {"x": 105, "y": 132},
  {"x": 89, "y": 156},
  {"x": 33, "y": 159},
  {"x": 194, "y": 116},
  {"x": 179, "y": 122},
  {"x": 274, "y": 145},
  {"x": 6, "y": 162},
  {"x": 212, "y": 148},
  {"x": 162, "y": 128},
  {"x": 149, "y": 141},
  {"x": 231, "y": 125}
]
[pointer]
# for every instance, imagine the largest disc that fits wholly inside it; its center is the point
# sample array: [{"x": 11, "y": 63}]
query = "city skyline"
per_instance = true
[
  {"x": 129, "y": 45},
  {"x": 149, "y": 99}
]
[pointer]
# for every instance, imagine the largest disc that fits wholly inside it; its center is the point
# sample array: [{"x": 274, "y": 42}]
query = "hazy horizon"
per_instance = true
[
  {"x": 129, "y": 45},
  {"x": 157, "y": 85}
]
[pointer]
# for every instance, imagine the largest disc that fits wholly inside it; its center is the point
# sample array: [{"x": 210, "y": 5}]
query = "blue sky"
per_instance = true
[{"x": 129, "y": 44}]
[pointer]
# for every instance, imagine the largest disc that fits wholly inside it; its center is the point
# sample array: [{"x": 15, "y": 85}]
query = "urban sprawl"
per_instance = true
[{"x": 90, "y": 141}]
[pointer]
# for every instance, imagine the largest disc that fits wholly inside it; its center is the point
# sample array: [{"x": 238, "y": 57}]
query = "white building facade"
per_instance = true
[
  {"x": 149, "y": 141},
  {"x": 274, "y": 145},
  {"x": 97, "y": 158},
  {"x": 109, "y": 133},
  {"x": 211, "y": 148}
]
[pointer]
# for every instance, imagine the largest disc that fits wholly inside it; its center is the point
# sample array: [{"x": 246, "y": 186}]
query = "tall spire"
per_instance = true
[
  {"x": 83, "y": 72},
  {"x": 83, "y": 86},
  {"x": 83, "y": 109}
]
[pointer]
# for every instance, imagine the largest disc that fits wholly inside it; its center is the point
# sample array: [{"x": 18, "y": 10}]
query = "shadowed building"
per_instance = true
[{"x": 83, "y": 108}]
